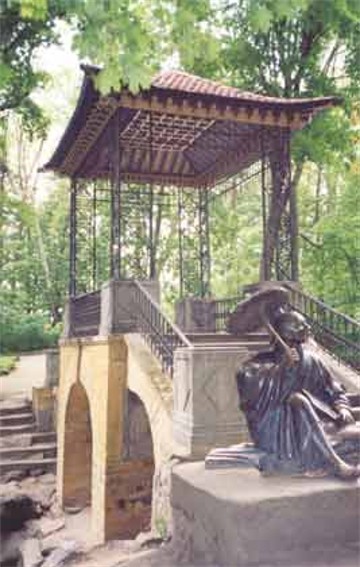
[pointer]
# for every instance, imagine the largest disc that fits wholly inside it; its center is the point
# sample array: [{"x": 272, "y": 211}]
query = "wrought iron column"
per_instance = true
[
  {"x": 204, "y": 241},
  {"x": 294, "y": 232},
  {"x": 180, "y": 204},
  {"x": 94, "y": 247},
  {"x": 152, "y": 268},
  {"x": 265, "y": 272},
  {"x": 283, "y": 261},
  {"x": 72, "y": 240},
  {"x": 116, "y": 204},
  {"x": 277, "y": 255}
]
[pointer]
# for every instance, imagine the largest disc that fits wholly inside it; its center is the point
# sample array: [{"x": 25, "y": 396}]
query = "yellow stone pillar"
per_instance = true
[{"x": 97, "y": 368}]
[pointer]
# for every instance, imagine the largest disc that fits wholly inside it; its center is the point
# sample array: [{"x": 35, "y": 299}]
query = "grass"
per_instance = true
[{"x": 7, "y": 363}]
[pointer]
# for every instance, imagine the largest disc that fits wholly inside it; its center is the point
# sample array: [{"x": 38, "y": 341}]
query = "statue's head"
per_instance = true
[{"x": 292, "y": 327}]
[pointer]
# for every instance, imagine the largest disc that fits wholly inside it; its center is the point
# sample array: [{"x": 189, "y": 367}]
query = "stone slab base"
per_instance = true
[{"x": 238, "y": 517}]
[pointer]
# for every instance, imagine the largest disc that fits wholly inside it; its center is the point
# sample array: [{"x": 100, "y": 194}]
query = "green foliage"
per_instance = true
[
  {"x": 236, "y": 238},
  {"x": 25, "y": 26},
  {"x": 331, "y": 253},
  {"x": 7, "y": 364},
  {"x": 21, "y": 333},
  {"x": 279, "y": 47}
]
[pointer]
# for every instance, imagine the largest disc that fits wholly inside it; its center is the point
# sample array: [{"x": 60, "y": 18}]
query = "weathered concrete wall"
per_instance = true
[{"x": 206, "y": 406}]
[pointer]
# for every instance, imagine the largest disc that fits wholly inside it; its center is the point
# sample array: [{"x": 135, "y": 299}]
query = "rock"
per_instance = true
[
  {"x": 42, "y": 494},
  {"x": 60, "y": 556},
  {"x": 48, "y": 526},
  {"x": 16, "y": 475},
  {"x": 56, "y": 510},
  {"x": 48, "y": 478},
  {"x": 28, "y": 481},
  {"x": 10, "y": 549},
  {"x": 148, "y": 540},
  {"x": 5, "y": 489},
  {"x": 15, "y": 510},
  {"x": 38, "y": 471},
  {"x": 31, "y": 553}
]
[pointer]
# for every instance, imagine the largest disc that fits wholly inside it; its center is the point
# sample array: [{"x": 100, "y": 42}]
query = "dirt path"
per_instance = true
[{"x": 29, "y": 372}]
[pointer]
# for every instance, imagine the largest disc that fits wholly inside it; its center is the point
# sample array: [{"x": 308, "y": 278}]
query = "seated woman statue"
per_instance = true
[{"x": 296, "y": 411}]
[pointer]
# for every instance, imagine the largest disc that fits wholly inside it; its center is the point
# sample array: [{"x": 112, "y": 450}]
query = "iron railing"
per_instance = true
[
  {"x": 224, "y": 308},
  {"x": 162, "y": 336},
  {"x": 338, "y": 333},
  {"x": 85, "y": 314}
]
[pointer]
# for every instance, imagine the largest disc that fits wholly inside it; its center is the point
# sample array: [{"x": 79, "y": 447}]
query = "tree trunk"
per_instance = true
[{"x": 283, "y": 189}]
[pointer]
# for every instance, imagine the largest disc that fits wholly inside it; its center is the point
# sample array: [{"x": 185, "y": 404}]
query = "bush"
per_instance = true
[
  {"x": 26, "y": 333},
  {"x": 7, "y": 363}
]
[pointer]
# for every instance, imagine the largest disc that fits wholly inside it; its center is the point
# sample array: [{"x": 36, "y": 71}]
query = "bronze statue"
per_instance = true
[
  {"x": 301, "y": 420},
  {"x": 297, "y": 413}
]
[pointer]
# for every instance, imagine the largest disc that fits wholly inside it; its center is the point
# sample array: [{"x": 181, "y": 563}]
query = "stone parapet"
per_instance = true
[{"x": 206, "y": 408}]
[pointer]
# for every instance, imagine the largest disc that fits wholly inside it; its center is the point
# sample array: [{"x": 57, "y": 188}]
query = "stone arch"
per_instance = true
[
  {"x": 77, "y": 461},
  {"x": 139, "y": 440},
  {"x": 154, "y": 389}
]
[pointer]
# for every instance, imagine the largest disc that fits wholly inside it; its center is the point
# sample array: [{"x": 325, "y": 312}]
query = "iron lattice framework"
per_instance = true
[{"x": 187, "y": 133}]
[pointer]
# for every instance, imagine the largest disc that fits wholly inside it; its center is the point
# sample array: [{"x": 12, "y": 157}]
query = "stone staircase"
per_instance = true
[{"x": 24, "y": 449}]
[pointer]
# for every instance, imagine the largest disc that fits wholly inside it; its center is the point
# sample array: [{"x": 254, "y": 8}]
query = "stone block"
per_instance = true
[
  {"x": 206, "y": 408},
  {"x": 195, "y": 315},
  {"x": 44, "y": 404},
  {"x": 117, "y": 313},
  {"x": 67, "y": 319},
  {"x": 52, "y": 368},
  {"x": 238, "y": 517}
]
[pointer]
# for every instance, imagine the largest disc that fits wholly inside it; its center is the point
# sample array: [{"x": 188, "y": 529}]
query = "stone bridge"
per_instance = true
[{"x": 124, "y": 417}]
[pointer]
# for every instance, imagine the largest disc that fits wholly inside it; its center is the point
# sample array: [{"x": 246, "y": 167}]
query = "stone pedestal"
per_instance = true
[
  {"x": 194, "y": 315},
  {"x": 68, "y": 319},
  {"x": 44, "y": 408},
  {"x": 206, "y": 406},
  {"x": 52, "y": 368},
  {"x": 238, "y": 517}
]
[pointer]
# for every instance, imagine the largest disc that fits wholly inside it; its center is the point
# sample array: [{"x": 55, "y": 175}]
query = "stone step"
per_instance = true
[
  {"x": 251, "y": 346},
  {"x": 7, "y": 408},
  {"x": 43, "y": 437},
  {"x": 16, "y": 419},
  {"x": 47, "y": 449},
  {"x": 27, "y": 439},
  {"x": 16, "y": 429},
  {"x": 196, "y": 338},
  {"x": 28, "y": 465}
]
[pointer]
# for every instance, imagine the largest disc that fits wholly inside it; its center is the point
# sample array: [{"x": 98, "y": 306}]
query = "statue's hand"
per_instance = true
[{"x": 346, "y": 416}]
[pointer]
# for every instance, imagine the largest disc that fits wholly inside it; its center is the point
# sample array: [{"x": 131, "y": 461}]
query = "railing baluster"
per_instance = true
[
  {"x": 162, "y": 336},
  {"x": 332, "y": 329}
]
